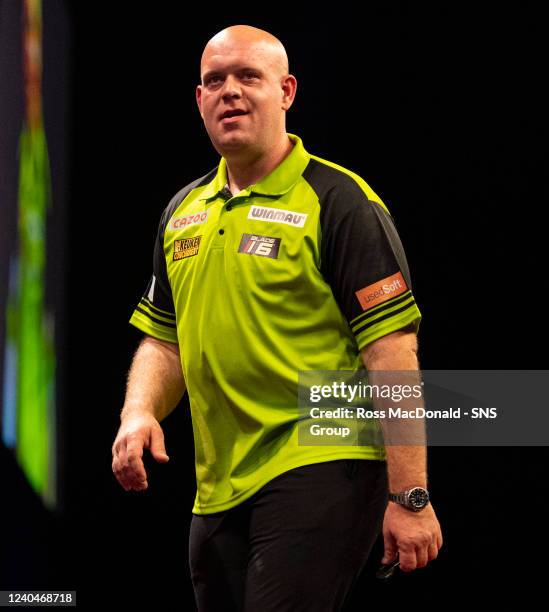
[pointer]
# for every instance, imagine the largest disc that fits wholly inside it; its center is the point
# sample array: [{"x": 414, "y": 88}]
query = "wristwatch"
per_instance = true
[{"x": 414, "y": 499}]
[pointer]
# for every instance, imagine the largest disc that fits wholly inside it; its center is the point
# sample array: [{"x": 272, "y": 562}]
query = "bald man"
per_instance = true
[{"x": 274, "y": 262}]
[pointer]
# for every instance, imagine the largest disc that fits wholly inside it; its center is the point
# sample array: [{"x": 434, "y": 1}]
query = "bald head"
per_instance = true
[
  {"x": 240, "y": 37},
  {"x": 245, "y": 92}
]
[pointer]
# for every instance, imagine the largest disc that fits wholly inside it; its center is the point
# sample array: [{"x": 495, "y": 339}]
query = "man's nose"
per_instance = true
[{"x": 231, "y": 87}]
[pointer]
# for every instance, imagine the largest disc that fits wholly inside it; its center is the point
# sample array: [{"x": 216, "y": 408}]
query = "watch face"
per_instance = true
[{"x": 418, "y": 498}]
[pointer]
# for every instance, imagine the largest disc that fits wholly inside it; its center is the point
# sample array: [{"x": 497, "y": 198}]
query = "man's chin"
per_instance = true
[
  {"x": 235, "y": 137},
  {"x": 233, "y": 141}
]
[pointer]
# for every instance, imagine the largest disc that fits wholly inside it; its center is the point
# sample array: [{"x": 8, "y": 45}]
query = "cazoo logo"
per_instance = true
[{"x": 195, "y": 219}]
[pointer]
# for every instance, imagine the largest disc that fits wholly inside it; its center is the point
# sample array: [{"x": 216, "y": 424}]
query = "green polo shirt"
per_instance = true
[{"x": 297, "y": 272}]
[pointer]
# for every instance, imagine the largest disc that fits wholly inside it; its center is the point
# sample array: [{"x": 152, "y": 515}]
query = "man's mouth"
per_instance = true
[{"x": 230, "y": 116}]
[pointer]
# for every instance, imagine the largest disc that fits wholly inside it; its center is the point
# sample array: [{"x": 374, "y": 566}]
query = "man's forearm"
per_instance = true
[
  {"x": 155, "y": 380},
  {"x": 405, "y": 447},
  {"x": 406, "y": 467}
]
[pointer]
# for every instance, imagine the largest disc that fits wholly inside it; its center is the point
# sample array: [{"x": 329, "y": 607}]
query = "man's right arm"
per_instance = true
[{"x": 155, "y": 386}]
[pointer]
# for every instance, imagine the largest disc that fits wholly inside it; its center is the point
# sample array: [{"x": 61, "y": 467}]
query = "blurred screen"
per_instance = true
[{"x": 31, "y": 225}]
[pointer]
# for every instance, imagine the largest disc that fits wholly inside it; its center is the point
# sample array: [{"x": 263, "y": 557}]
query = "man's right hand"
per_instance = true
[{"x": 137, "y": 431}]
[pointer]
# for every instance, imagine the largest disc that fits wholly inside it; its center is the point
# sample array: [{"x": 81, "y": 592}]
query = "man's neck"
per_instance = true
[{"x": 242, "y": 173}]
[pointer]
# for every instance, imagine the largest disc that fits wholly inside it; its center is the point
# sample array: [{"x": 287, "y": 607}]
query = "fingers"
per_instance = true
[
  {"x": 415, "y": 556},
  {"x": 133, "y": 436},
  {"x": 157, "y": 447},
  {"x": 391, "y": 549},
  {"x": 432, "y": 552},
  {"x": 408, "y": 558},
  {"x": 135, "y": 469},
  {"x": 415, "y": 537},
  {"x": 422, "y": 557},
  {"x": 127, "y": 463}
]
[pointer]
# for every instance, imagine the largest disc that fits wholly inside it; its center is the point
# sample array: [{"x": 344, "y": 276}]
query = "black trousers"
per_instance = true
[{"x": 298, "y": 544}]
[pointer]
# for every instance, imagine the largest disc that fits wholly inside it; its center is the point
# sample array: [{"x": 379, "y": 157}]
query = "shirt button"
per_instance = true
[
  {"x": 222, "y": 231},
  {"x": 229, "y": 208}
]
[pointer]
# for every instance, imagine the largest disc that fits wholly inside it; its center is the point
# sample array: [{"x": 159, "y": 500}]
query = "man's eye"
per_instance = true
[
  {"x": 213, "y": 80},
  {"x": 250, "y": 75}
]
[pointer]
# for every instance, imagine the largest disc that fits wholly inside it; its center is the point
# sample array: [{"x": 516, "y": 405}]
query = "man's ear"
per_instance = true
[
  {"x": 289, "y": 87},
  {"x": 198, "y": 94}
]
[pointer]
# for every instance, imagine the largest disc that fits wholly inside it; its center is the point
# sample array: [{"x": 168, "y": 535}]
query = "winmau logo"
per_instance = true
[{"x": 276, "y": 215}]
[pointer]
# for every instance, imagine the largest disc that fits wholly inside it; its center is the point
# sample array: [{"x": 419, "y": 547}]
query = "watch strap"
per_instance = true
[{"x": 399, "y": 498}]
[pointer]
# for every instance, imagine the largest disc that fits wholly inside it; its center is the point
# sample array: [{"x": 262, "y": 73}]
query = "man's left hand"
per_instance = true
[{"x": 415, "y": 536}]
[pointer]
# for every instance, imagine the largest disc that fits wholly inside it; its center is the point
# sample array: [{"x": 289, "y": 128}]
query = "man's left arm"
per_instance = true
[{"x": 415, "y": 536}]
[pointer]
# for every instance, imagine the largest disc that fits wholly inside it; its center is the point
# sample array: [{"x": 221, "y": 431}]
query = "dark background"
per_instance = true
[{"x": 441, "y": 112}]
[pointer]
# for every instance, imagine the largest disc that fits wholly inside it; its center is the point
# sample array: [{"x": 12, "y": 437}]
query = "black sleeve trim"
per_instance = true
[
  {"x": 164, "y": 313},
  {"x": 159, "y": 321}
]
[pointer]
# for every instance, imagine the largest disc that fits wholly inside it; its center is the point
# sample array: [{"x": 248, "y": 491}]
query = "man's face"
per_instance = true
[{"x": 241, "y": 97}]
